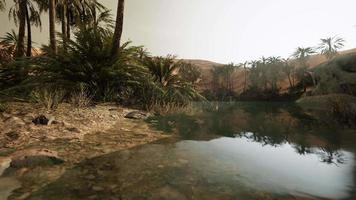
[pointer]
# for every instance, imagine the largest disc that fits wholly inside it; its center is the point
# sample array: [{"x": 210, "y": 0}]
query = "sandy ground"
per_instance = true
[{"x": 74, "y": 136}]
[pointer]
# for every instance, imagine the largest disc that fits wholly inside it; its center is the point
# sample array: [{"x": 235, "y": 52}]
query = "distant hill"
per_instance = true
[{"x": 206, "y": 66}]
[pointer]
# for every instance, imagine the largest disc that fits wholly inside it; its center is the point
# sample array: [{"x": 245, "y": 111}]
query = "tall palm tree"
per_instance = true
[
  {"x": 75, "y": 12},
  {"x": 52, "y": 30},
  {"x": 33, "y": 17},
  {"x": 330, "y": 46},
  {"x": 18, "y": 13},
  {"x": 25, "y": 12},
  {"x": 118, "y": 27}
]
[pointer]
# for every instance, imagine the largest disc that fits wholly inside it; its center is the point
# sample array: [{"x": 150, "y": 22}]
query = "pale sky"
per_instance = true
[{"x": 228, "y": 30}]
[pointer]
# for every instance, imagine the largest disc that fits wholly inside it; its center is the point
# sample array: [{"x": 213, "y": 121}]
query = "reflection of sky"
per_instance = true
[{"x": 273, "y": 169}]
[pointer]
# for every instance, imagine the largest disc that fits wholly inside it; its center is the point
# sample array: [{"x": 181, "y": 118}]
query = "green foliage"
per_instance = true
[
  {"x": 132, "y": 77},
  {"x": 168, "y": 86},
  {"x": 189, "y": 72},
  {"x": 223, "y": 81}
]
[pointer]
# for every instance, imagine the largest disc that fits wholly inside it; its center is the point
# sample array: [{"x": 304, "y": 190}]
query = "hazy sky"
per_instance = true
[{"x": 229, "y": 30}]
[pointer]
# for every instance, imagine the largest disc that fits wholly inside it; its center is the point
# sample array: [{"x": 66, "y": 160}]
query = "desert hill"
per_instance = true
[{"x": 206, "y": 66}]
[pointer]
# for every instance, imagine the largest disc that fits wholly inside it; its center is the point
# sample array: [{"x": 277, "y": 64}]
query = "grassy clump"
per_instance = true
[{"x": 3, "y": 107}]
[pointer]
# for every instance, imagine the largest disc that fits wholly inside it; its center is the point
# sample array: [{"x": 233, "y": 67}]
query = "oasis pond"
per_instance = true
[{"x": 225, "y": 151}]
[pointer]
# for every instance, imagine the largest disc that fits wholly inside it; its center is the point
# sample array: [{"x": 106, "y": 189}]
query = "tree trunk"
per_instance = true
[
  {"x": 68, "y": 23},
  {"x": 245, "y": 82},
  {"x": 64, "y": 25},
  {"x": 52, "y": 31},
  {"x": 29, "y": 34},
  {"x": 118, "y": 28},
  {"x": 20, "y": 50}
]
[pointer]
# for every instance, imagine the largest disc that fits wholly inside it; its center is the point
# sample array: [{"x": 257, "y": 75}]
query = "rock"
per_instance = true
[
  {"x": 4, "y": 164},
  {"x": 136, "y": 115},
  {"x": 33, "y": 158},
  {"x": 98, "y": 188},
  {"x": 51, "y": 120},
  {"x": 41, "y": 120},
  {"x": 7, "y": 185},
  {"x": 73, "y": 129},
  {"x": 90, "y": 177}
]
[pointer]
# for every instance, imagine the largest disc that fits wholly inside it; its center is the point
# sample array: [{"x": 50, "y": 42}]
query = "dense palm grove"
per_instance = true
[
  {"x": 262, "y": 77},
  {"x": 86, "y": 60}
]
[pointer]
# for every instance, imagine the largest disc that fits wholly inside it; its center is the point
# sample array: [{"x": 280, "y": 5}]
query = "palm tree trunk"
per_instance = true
[
  {"x": 68, "y": 23},
  {"x": 118, "y": 28},
  {"x": 64, "y": 25},
  {"x": 20, "y": 50},
  {"x": 52, "y": 31},
  {"x": 29, "y": 34}
]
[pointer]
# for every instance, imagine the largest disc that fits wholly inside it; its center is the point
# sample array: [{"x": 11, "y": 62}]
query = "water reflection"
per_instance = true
[
  {"x": 222, "y": 168},
  {"x": 271, "y": 124}
]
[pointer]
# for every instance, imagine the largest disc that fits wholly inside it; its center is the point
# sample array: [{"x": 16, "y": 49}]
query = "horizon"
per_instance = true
[{"x": 235, "y": 35}]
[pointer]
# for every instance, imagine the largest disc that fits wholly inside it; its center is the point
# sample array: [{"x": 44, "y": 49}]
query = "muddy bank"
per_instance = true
[{"x": 28, "y": 152}]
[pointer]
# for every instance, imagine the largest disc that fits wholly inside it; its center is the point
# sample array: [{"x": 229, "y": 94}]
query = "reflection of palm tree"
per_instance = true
[{"x": 330, "y": 46}]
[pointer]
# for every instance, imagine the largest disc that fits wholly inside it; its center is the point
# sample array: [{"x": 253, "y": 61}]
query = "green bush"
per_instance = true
[{"x": 130, "y": 78}]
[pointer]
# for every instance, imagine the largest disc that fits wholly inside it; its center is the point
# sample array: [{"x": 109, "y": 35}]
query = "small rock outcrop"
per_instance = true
[{"x": 136, "y": 115}]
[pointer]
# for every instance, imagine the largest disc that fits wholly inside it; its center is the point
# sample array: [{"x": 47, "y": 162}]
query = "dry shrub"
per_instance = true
[
  {"x": 81, "y": 98},
  {"x": 48, "y": 98},
  {"x": 169, "y": 108}
]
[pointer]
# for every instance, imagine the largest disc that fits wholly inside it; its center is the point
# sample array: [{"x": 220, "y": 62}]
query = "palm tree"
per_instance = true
[
  {"x": 330, "y": 46},
  {"x": 24, "y": 12},
  {"x": 75, "y": 12},
  {"x": 302, "y": 53},
  {"x": 32, "y": 18},
  {"x": 9, "y": 42},
  {"x": 52, "y": 31},
  {"x": 163, "y": 69},
  {"x": 18, "y": 14},
  {"x": 8, "y": 45},
  {"x": 118, "y": 27}
]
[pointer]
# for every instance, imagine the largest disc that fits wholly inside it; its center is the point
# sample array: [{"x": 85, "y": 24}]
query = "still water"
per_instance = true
[{"x": 225, "y": 151}]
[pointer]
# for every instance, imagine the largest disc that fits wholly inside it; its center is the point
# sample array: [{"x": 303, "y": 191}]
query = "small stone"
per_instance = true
[
  {"x": 73, "y": 129},
  {"x": 136, "y": 115},
  {"x": 98, "y": 188},
  {"x": 90, "y": 177}
]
